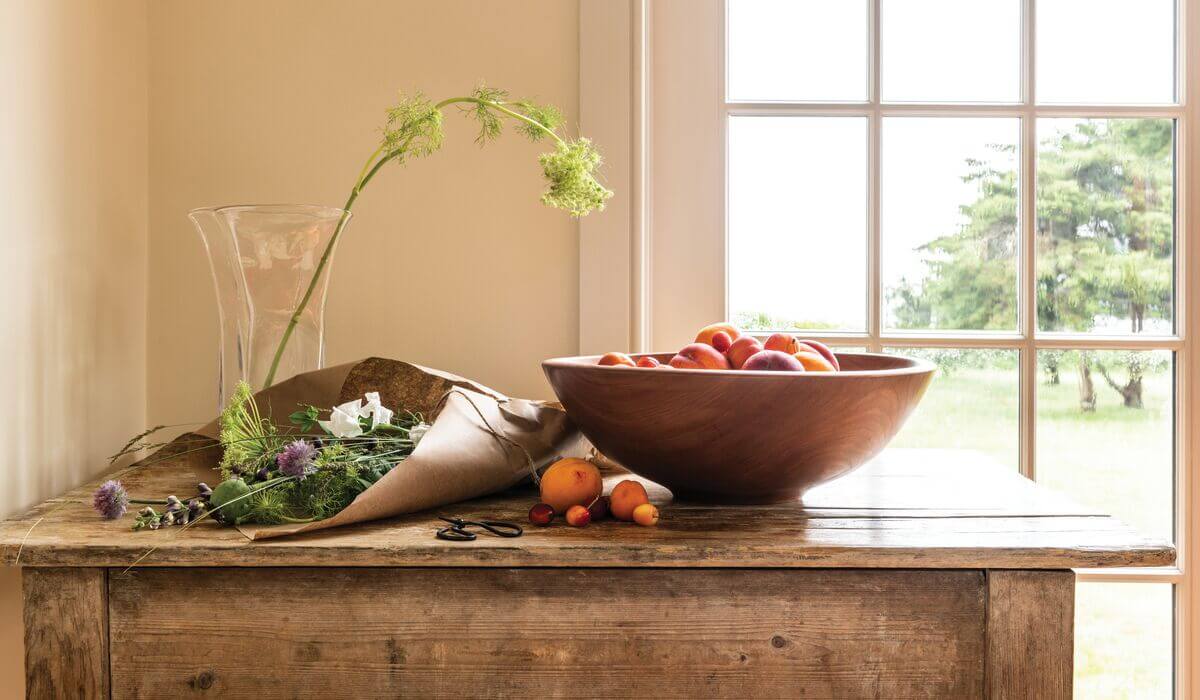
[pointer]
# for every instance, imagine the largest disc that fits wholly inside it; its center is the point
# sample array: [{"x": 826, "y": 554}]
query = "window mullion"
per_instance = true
[
  {"x": 1026, "y": 293},
  {"x": 874, "y": 168}
]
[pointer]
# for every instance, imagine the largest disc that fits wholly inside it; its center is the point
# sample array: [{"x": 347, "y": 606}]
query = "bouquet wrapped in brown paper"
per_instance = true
[{"x": 473, "y": 441}]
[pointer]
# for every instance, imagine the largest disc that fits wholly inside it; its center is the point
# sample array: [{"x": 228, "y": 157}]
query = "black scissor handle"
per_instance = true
[
  {"x": 455, "y": 534},
  {"x": 501, "y": 528}
]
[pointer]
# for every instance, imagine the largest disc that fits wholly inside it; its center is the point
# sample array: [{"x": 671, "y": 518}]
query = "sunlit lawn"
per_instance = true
[{"x": 1115, "y": 460}]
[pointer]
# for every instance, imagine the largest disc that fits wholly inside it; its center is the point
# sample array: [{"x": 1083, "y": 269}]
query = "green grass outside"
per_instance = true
[{"x": 1117, "y": 460}]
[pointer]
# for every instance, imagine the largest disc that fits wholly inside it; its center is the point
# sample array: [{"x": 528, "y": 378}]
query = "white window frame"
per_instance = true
[{"x": 639, "y": 265}]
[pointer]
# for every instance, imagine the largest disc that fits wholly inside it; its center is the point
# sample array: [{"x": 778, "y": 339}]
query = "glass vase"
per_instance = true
[{"x": 266, "y": 261}]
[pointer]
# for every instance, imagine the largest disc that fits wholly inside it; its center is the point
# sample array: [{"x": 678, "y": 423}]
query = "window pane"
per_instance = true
[
  {"x": 1124, "y": 640},
  {"x": 949, "y": 223},
  {"x": 1105, "y": 225},
  {"x": 972, "y": 403},
  {"x": 950, "y": 50},
  {"x": 1105, "y": 433},
  {"x": 1106, "y": 51},
  {"x": 798, "y": 222},
  {"x": 802, "y": 50}
]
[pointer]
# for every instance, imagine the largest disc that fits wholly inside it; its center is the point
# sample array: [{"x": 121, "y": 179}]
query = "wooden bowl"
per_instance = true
[{"x": 732, "y": 436}]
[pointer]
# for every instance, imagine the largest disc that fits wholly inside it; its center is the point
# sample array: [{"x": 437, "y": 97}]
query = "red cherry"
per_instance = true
[{"x": 541, "y": 514}]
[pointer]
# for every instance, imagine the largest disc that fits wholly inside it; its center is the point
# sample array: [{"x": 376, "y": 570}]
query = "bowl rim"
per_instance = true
[{"x": 588, "y": 363}]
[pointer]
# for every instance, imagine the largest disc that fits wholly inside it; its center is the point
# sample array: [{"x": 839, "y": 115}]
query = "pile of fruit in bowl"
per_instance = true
[
  {"x": 722, "y": 346},
  {"x": 573, "y": 488},
  {"x": 730, "y": 418}
]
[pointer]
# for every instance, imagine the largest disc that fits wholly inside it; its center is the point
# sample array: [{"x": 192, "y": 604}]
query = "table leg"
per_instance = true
[
  {"x": 66, "y": 633},
  {"x": 1030, "y": 634}
]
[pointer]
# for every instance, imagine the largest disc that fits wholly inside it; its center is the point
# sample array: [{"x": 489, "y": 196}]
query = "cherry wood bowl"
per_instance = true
[{"x": 732, "y": 436}]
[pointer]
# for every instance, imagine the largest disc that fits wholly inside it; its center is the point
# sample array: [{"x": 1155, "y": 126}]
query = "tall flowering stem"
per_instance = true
[{"x": 414, "y": 129}]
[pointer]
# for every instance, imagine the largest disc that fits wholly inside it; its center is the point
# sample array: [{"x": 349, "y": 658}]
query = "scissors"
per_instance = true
[{"x": 457, "y": 532}]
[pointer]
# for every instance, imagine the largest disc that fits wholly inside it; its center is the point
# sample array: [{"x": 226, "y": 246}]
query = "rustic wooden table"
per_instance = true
[{"x": 918, "y": 575}]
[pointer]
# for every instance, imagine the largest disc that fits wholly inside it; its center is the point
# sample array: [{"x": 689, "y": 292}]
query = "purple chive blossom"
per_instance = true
[
  {"x": 296, "y": 458},
  {"x": 110, "y": 500}
]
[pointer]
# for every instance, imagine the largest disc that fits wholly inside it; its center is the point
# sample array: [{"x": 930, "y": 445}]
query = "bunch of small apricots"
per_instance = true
[
  {"x": 722, "y": 346},
  {"x": 573, "y": 488}
]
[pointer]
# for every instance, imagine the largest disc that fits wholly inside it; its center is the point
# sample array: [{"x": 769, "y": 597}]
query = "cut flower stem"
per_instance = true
[{"x": 574, "y": 188}]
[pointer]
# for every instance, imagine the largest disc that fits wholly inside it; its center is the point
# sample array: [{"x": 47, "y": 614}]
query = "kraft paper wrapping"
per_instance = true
[{"x": 465, "y": 454}]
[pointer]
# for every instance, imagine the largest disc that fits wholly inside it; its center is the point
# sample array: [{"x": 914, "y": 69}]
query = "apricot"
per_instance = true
[
  {"x": 570, "y": 482},
  {"x": 772, "y": 361},
  {"x": 699, "y": 356},
  {"x": 706, "y": 334},
  {"x": 824, "y": 351},
  {"x": 617, "y": 358},
  {"x": 813, "y": 362},
  {"x": 625, "y": 497},
  {"x": 646, "y": 514},
  {"x": 648, "y": 362},
  {"x": 742, "y": 349},
  {"x": 721, "y": 341},
  {"x": 783, "y": 342}
]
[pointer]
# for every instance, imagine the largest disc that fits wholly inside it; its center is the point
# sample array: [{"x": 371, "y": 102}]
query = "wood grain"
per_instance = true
[
  {"x": 906, "y": 509},
  {"x": 540, "y": 633},
  {"x": 733, "y": 436},
  {"x": 1030, "y": 633},
  {"x": 66, "y": 633}
]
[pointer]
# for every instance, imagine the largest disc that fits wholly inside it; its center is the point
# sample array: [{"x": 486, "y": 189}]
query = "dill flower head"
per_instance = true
[
  {"x": 570, "y": 170},
  {"x": 110, "y": 500},
  {"x": 296, "y": 458},
  {"x": 413, "y": 129}
]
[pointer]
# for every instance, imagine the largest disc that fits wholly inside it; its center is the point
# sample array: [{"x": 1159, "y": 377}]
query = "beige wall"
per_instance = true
[
  {"x": 450, "y": 261},
  {"x": 73, "y": 273}
]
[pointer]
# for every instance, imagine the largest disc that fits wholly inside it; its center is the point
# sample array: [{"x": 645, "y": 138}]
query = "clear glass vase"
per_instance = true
[{"x": 264, "y": 259}]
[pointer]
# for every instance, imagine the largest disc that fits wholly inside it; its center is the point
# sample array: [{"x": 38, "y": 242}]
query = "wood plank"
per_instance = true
[
  {"x": 66, "y": 633},
  {"x": 912, "y": 508},
  {"x": 1030, "y": 634},
  {"x": 615, "y": 633}
]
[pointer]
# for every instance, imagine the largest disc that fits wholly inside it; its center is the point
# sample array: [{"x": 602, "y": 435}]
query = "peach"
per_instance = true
[
  {"x": 742, "y": 349},
  {"x": 699, "y": 356},
  {"x": 813, "y": 362},
  {"x": 617, "y": 358},
  {"x": 772, "y": 361},
  {"x": 648, "y": 362},
  {"x": 570, "y": 482},
  {"x": 783, "y": 342},
  {"x": 625, "y": 497},
  {"x": 721, "y": 341},
  {"x": 706, "y": 334},
  {"x": 824, "y": 351}
]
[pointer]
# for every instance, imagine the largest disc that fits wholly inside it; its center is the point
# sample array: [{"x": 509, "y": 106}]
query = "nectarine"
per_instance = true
[
  {"x": 617, "y": 358},
  {"x": 648, "y": 362},
  {"x": 824, "y": 351},
  {"x": 625, "y": 497},
  {"x": 721, "y": 341},
  {"x": 569, "y": 482},
  {"x": 706, "y": 334},
  {"x": 772, "y": 361},
  {"x": 699, "y": 356},
  {"x": 742, "y": 349},
  {"x": 813, "y": 362}
]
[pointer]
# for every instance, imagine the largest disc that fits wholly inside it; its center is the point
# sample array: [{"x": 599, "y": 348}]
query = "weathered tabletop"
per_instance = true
[{"x": 907, "y": 509}]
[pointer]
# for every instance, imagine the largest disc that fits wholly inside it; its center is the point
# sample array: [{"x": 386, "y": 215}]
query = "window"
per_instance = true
[{"x": 991, "y": 186}]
